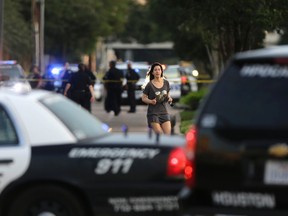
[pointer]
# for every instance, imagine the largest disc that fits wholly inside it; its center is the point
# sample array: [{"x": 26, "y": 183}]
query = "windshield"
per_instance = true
[
  {"x": 171, "y": 72},
  {"x": 12, "y": 71},
  {"x": 80, "y": 122}
]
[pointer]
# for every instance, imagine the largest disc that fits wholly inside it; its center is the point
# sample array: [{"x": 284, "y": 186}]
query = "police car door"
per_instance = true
[{"x": 14, "y": 155}]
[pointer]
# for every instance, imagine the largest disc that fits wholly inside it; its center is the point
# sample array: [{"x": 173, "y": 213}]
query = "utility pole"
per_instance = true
[
  {"x": 38, "y": 12},
  {"x": 42, "y": 20},
  {"x": 1, "y": 27},
  {"x": 35, "y": 20}
]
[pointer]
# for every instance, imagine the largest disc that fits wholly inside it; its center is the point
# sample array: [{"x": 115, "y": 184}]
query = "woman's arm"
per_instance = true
[{"x": 146, "y": 100}]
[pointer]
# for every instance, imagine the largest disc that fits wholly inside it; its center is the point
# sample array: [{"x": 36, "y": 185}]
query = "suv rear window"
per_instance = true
[{"x": 251, "y": 95}]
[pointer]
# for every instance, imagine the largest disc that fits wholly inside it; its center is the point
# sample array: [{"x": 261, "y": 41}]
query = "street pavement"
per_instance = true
[{"x": 136, "y": 122}]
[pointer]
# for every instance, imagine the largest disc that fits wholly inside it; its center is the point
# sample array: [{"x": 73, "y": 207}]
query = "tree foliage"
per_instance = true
[
  {"x": 73, "y": 26},
  {"x": 214, "y": 30},
  {"x": 140, "y": 28},
  {"x": 17, "y": 37}
]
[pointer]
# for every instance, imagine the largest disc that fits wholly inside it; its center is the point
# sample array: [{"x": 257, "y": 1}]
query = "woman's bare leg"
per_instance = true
[
  {"x": 166, "y": 127},
  {"x": 156, "y": 128}
]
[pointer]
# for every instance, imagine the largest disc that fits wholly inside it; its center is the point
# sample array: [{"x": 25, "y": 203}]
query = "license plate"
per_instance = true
[{"x": 276, "y": 172}]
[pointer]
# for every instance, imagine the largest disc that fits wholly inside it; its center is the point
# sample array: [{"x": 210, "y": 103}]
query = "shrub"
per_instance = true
[
  {"x": 186, "y": 120},
  {"x": 192, "y": 99}
]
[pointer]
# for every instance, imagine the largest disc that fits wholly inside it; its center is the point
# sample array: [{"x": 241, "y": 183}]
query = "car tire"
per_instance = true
[{"x": 46, "y": 200}]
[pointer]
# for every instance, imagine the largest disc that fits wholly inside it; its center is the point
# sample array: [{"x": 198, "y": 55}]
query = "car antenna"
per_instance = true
[
  {"x": 157, "y": 138},
  {"x": 124, "y": 129},
  {"x": 150, "y": 132}
]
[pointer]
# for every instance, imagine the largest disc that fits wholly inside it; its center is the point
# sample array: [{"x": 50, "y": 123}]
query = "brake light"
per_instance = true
[
  {"x": 184, "y": 79},
  {"x": 191, "y": 138},
  {"x": 176, "y": 163}
]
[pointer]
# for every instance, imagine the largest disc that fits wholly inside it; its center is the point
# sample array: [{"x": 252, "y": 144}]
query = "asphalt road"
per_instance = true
[{"x": 136, "y": 122}]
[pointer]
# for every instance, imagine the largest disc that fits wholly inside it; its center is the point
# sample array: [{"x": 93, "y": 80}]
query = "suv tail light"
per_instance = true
[
  {"x": 181, "y": 160},
  {"x": 179, "y": 165},
  {"x": 191, "y": 138},
  {"x": 176, "y": 163}
]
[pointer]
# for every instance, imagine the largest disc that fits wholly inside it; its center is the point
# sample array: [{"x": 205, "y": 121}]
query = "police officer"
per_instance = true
[
  {"x": 66, "y": 73},
  {"x": 132, "y": 78},
  {"x": 81, "y": 88},
  {"x": 113, "y": 83}
]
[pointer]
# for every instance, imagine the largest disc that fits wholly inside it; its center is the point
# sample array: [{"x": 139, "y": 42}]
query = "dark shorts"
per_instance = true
[{"x": 159, "y": 118}]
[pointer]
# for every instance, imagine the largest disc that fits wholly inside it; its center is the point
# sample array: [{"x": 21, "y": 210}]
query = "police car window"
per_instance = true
[
  {"x": 81, "y": 123},
  {"x": 7, "y": 131},
  {"x": 251, "y": 95}
]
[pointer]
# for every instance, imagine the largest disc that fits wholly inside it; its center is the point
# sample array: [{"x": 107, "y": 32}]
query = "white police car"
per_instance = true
[
  {"x": 58, "y": 159},
  {"x": 175, "y": 77},
  {"x": 11, "y": 70},
  {"x": 57, "y": 71},
  {"x": 140, "y": 68}
]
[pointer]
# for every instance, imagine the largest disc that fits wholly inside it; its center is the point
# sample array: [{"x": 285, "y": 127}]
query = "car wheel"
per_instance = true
[{"x": 46, "y": 201}]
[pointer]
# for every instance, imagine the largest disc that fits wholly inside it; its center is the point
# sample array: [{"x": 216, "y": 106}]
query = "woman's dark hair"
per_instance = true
[{"x": 150, "y": 72}]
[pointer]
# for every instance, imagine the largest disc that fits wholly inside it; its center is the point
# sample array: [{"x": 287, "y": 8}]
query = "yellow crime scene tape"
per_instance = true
[{"x": 113, "y": 81}]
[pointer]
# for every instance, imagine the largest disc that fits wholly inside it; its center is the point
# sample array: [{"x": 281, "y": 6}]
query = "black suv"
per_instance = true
[{"x": 238, "y": 147}]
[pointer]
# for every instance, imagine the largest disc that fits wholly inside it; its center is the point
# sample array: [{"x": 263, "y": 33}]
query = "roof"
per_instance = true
[{"x": 269, "y": 52}]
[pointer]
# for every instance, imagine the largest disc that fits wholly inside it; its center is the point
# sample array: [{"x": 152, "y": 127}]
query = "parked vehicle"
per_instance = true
[
  {"x": 58, "y": 159},
  {"x": 181, "y": 83},
  {"x": 57, "y": 70},
  {"x": 238, "y": 147},
  {"x": 11, "y": 70},
  {"x": 141, "y": 69}
]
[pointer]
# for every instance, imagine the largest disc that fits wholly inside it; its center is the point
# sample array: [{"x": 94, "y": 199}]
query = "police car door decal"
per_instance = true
[{"x": 113, "y": 160}]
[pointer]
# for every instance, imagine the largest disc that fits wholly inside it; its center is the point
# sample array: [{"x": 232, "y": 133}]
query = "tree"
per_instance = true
[
  {"x": 17, "y": 34},
  {"x": 73, "y": 26},
  {"x": 219, "y": 28},
  {"x": 140, "y": 28}
]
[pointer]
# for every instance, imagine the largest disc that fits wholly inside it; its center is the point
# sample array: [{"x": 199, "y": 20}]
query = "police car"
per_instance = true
[
  {"x": 58, "y": 159},
  {"x": 238, "y": 148},
  {"x": 141, "y": 68},
  {"x": 11, "y": 70},
  {"x": 175, "y": 75}
]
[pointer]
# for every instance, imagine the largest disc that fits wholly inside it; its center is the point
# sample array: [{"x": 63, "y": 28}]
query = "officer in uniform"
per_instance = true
[
  {"x": 132, "y": 78},
  {"x": 113, "y": 83},
  {"x": 81, "y": 88}
]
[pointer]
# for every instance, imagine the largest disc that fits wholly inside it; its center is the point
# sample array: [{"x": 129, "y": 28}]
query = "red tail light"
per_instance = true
[
  {"x": 176, "y": 163},
  {"x": 181, "y": 160},
  {"x": 190, "y": 147},
  {"x": 184, "y": 79}
]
